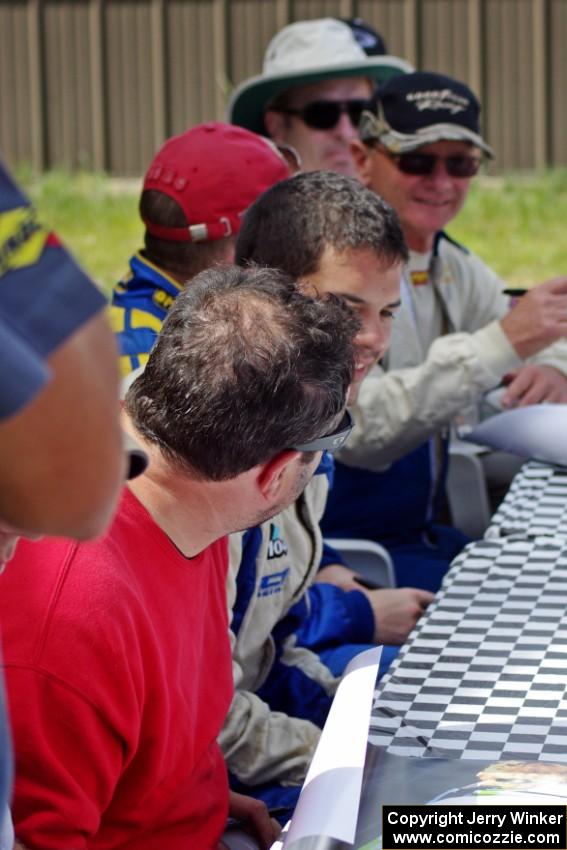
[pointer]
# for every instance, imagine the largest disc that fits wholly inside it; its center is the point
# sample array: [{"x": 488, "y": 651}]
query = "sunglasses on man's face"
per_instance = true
[
  {"x": 424, "y": 164},
  {"x": 326, "y": 114},
  {"x": 330, "y": 442}
]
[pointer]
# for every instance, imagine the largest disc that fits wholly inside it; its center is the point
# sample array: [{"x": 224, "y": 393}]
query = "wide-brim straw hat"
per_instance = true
[{"x": 303, "y": 53}]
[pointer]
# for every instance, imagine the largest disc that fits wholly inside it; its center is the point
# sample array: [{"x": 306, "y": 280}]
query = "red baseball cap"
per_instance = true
[{"x": 214, "y": 171}]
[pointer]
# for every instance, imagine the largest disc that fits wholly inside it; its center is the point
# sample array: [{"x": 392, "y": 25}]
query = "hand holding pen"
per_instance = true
[
  {"x": 538, "y": 318},
  {"x": 514, "y": 295}
]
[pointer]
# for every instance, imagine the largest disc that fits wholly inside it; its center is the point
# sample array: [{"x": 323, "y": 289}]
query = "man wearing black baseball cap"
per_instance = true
[{"x": 455, "y": 337}]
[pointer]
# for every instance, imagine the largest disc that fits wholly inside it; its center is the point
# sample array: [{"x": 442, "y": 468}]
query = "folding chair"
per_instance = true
[{"x": 367, "y": 558}]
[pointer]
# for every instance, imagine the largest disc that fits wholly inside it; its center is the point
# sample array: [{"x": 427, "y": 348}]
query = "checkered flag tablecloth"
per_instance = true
[
  {"x": 535, "y": 504},
  {"x": 484, "y": 674}
]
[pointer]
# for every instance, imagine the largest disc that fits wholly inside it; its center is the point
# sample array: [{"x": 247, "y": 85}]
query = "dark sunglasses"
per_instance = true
[
  {"x": 423, "y": 164},
  {"x": 326, "y": 114},
  {"x": 330, "y": 442}
]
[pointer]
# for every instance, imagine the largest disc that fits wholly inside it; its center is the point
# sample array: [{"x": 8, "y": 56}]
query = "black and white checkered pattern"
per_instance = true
[
  {"x": 484, "y": 674},
  {"x": 535, "y": 504}
]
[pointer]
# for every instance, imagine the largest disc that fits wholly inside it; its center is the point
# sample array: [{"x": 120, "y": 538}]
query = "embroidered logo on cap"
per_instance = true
[{"x": 438, "y": 99}]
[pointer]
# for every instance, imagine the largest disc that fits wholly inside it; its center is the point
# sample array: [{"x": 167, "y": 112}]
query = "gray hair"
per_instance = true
[{"x": 245, "y": 366}]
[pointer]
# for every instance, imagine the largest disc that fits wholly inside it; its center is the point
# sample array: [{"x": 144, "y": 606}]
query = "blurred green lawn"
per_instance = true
[
  {"x": 516, "y": 223},
  {"x": 95, "y": 216}
]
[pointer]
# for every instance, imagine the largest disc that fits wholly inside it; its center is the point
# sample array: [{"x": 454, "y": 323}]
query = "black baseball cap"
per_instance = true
[
  {"x": 368, "y": 38},
  {"x": 421, "y": 108}
]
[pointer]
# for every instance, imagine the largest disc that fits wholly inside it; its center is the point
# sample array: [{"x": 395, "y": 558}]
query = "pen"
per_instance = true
[
  {"x": 368, "y": 583},
  {"x": 273, "y": 812},
  {"x": 515, "y": 293}
]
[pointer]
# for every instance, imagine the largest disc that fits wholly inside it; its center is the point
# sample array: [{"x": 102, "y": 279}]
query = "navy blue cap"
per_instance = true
[
  {"x": 421, "y": 108},
  {"x": 368, "y": 38}
]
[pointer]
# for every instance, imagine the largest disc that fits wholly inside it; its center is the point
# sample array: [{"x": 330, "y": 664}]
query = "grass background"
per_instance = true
[{"x": 516, "y": 223}]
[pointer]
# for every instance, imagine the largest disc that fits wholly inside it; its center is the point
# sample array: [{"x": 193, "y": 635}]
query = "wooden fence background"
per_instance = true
[{"x": 101, "y": 83}]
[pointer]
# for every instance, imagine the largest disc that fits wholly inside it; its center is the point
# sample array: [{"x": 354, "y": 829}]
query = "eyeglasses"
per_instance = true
[
  {"x": 326, "y": 114},
  {"x": 330, "y": 442},
  {"x": 423, "y": 164}
]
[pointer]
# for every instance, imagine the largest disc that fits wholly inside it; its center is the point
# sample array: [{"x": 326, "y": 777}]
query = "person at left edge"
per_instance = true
[
  {"x": 58, "y": 383},
  {"x": 59, "y": 473}
]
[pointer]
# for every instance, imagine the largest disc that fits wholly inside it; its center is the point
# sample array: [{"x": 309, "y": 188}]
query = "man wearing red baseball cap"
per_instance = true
[{"x": 195, "y": 192}]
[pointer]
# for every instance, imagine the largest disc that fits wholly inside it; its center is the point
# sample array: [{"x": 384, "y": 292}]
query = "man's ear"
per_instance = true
[
  {"x": 362, "y": 161},
  {"x": 274, "y": 124},
  {"x": 271, "y": 475}
]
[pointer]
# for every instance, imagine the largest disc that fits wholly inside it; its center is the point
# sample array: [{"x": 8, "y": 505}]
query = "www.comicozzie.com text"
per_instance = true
[{"x": 496, "y": 826}]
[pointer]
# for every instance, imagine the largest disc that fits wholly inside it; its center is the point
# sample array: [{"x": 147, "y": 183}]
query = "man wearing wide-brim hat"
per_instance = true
[{"x": 316, "y": 82}]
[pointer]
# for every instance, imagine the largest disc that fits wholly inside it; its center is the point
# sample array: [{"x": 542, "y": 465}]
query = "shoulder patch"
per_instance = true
[
  {"x": 274, "y": 583},
  {"x": 22, "y": 239},
  {"x": 277, "y": 546},
  {"x": 163, "y": 299}
]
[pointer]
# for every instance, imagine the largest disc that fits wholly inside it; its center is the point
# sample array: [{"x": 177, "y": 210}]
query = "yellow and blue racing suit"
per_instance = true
[{"x": 140, "y": 303}]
